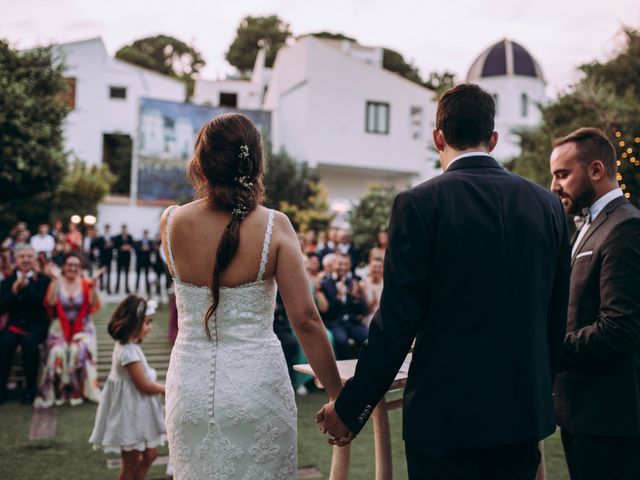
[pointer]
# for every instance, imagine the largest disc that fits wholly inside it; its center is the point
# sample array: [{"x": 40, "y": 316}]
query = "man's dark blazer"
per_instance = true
[
  {"x": 337, "y": 310},
  {"x": 477, "y": 271},
  {"x": 105, "y": 248},
  {"x": 123, "y": 256},
  {"x": 597, "y": 391},
  {"x": 26, "y": 310}
]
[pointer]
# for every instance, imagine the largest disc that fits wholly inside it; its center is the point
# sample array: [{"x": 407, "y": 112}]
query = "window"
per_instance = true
[
  {"x": 228, "y": 100},
  {"x": 377, "y": 120},
  {"x": 118, "y": 92},
  {"x": 68, "y": 95},
  {"x": 416, "y": 122},
  {"x": 524, "y": 105}
]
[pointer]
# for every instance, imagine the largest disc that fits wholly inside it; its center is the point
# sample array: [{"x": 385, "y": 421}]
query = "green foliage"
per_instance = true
[
  {"x": 371, "y": 215},
  {"x": 166, "y": 55},
  {"x": 440, "y": 82},
  {"x": 32, "y": 157},
  {"x": 395, "y": 62},
  {"x": 250, "y": 33},
  {"x": 607, "y": 97},
  {"x": 294, "y": 188},
  {"x": 333, "y": 36},
  {"x": 81, "y": 190}
]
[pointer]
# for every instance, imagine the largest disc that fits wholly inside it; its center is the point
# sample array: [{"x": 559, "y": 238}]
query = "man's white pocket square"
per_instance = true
[{"x": 584, "y": 254}]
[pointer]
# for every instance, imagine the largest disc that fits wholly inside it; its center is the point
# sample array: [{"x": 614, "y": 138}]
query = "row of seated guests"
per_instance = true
[
  {"x": 346, "y": 304},
  {"x": 49, "y": 316}
]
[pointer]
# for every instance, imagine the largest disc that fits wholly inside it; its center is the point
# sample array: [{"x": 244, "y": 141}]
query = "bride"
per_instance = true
[{"x": 230, "y": 406}]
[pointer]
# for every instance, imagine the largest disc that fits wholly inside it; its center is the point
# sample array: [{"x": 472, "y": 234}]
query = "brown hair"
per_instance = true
[
  {"x": 127, "y": 319},
  {"x": 592, "y": 144},
  {"x": 227, "y": 169},
  {"x": 465, "y": 116}
]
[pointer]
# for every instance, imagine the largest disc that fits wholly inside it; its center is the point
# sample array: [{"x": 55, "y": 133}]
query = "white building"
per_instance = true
[
  {"x": 104, "y": 96},
  {"x": 514, "y": 77},
  {"x": 334, "y": 106}
]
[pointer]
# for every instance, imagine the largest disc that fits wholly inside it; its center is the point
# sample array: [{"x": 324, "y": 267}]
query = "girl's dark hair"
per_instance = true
[
  {"x": 69, "y": 255},
  {"x": 227, "y": 169},
  {"x": 127, "y": 319}
]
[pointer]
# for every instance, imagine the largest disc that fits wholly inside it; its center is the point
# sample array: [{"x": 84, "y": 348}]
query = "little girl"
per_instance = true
[{"x": 130, "y": 418}]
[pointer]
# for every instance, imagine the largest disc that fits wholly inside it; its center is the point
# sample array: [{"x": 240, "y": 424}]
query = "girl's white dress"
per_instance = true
[{"x": 127, "y": 419}]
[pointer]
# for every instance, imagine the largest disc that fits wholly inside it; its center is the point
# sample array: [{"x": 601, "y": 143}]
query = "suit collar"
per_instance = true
[
  {"x": 477, "y": 161},
  {"x": 597, "y": 223}
]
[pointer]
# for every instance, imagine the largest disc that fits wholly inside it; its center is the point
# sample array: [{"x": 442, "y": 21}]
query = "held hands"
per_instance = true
[{"x": 330, "y": 423}]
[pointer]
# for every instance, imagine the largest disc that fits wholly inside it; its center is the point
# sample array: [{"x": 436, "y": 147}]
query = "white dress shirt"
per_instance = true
[
  {"x": 468, "y": 154},
  {"x": 594, "y": 211}
]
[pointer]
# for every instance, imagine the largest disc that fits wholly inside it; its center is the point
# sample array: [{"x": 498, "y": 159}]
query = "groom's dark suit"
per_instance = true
[{"x": 477, "y": 271}]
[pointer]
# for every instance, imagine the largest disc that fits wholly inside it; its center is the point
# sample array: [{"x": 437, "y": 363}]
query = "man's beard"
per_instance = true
[{"x": 584, "y": 198}]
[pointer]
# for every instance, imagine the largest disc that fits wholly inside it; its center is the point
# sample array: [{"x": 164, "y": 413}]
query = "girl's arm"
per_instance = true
[{"x": 140, "y": 380}]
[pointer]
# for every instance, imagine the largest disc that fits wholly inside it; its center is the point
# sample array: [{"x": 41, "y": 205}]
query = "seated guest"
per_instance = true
[
  {"x": 70, "y": 372},
  {"x": 347, "y": 308},
  {"x": 22, "y": 298},
  {"x": 381, "y": 246},
  {"x": 372, "y": 286}
]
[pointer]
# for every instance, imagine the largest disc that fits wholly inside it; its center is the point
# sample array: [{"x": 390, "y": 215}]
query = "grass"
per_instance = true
[{"x": 69, "y": 455}]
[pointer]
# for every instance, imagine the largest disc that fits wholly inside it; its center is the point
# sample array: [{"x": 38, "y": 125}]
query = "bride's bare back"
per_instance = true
[{"x": 195, "y": 231}]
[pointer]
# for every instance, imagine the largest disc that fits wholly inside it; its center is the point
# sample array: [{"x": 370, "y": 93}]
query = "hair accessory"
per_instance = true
[
  {"x": 244, "y": 182},
  {"x": 240, "y": 211},
  {"x": 244, "y": 152},
  {"x": 152, "y": 305},
  {"x": 142, "y": 306}
]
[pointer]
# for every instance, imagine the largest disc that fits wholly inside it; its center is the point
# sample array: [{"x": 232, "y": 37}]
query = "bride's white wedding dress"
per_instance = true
[{"x": 230, "y": 408}]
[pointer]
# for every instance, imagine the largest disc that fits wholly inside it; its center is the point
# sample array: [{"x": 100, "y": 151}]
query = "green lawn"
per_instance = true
[{"x": 69, "y": 456}]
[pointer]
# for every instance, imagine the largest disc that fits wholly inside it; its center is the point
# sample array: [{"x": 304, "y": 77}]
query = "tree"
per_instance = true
[
  {"x": 372, "y": 215},
  {"x": 440, "y": 82},
  {"x": 294, "y": 188},
  {"x": 32, "y": 157},
  {"x": 395, "y": 62},
  {"x": 607, "y": 97},
  {"x": 250, "y": 34},
  {"x": 81, "y": 190},
  {"x": 166, "y": 55}
]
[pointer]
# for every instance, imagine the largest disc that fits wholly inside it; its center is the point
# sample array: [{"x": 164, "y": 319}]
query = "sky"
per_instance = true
[{"x": 434, "y": 35}]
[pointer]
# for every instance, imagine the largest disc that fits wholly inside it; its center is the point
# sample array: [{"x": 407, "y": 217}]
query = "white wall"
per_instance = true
[
  {"x": 319, "y": 94},
  {"x": 95, "y": 112},
  {"x": 137, "y": 218},
  {"x": 208, "y": 92},
  {"x": 509, "y": 90}
]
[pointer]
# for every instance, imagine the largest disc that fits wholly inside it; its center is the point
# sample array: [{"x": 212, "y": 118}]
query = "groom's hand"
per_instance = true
[{"x": 330, "y": 423}]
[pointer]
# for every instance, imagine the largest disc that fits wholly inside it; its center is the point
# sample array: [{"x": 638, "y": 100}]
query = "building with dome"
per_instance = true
[{"x": 514, "y": 77}]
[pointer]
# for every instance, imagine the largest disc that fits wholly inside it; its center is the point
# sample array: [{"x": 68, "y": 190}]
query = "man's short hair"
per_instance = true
[
  {"x": 592, "y": 144},
  {"x": 465, "y": 116},
  {"x": 21, "y": 247}
]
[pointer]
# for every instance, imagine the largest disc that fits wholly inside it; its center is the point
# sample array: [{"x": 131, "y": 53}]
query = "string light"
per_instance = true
[
  {"x": 618, "y": 134},
  {"x": 623, "y": 186},
  {"x": 627, "y": 195},
  {"x": 626, "y": 153},
  {"x": 629, "y": 150},
  {"x": 621, "y": 143}
]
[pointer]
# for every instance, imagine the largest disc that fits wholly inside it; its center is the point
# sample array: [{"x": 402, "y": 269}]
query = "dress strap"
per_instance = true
[
  {"x": 265, "y": 246},
  {"x": 172, "y": 263}
]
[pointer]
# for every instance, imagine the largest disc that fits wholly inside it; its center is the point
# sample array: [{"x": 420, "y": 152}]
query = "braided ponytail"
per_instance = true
[{"x": 227, "y": 169}]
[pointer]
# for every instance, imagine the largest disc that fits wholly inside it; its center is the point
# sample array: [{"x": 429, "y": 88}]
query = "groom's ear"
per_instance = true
[
  {"x": 438, "y": 140},
  {"x": 493, "y": 141}
]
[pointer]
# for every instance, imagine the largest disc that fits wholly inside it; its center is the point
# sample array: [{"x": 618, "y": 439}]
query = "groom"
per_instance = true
[{"x": 477, "y": 272}]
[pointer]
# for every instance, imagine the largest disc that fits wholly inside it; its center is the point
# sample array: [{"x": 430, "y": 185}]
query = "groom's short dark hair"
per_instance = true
[{"x": 465, "y": 116}]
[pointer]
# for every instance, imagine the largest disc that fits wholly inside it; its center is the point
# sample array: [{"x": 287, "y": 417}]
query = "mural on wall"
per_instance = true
[{"x": 166, "y": 134}]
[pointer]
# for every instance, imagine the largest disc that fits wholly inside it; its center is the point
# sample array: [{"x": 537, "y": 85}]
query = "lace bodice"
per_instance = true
[{"x": 230, "y": 406}]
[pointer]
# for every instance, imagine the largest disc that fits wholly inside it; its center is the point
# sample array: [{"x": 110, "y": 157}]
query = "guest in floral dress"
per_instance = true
[{"x": 70, "y": 372}]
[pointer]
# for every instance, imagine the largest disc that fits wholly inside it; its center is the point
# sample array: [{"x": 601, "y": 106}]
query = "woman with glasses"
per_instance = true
[{"x": 70, "y": 373}]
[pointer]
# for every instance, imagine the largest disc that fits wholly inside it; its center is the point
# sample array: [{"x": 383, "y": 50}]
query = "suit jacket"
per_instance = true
[
  {"x": 124, "y": 256},
  {"x": 26, "y": 310},
  {"x": 597, "y": 391},
  {"x": 351, "y": 309},
  {"x": 477, "y": 271},
  {"x": 105, "y": 248},
  {"x": 143, "y": 257}
]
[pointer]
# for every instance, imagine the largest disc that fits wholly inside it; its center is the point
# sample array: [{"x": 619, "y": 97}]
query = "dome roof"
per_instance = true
[{"x": 504, "y": 58}]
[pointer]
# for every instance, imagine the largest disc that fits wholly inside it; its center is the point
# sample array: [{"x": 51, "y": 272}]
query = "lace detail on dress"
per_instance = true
[
  {"x": 172, "y": 263},
  {"x": 265, "y": 247},
  {"x": 235, "y": 418}
]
